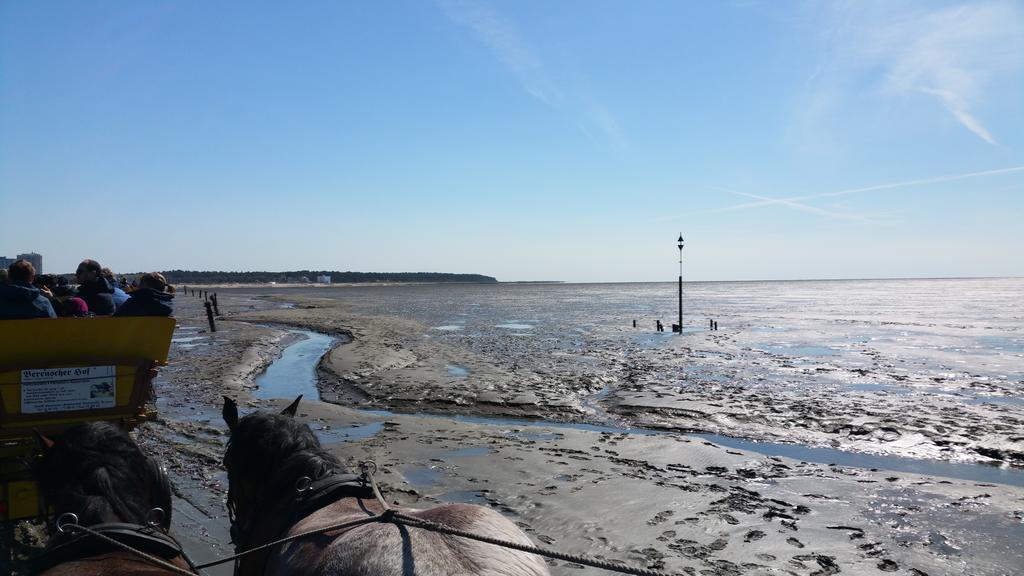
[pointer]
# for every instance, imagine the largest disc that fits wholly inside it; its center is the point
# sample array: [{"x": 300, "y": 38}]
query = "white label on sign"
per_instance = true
[{"x": 65, "y": 389}]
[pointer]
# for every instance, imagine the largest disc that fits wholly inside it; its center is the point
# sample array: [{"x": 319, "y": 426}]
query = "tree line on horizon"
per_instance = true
[{"x": 218, "y": 277}]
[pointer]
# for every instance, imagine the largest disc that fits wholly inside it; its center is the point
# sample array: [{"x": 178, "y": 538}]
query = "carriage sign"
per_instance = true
[{"x": 66, "y": 389}]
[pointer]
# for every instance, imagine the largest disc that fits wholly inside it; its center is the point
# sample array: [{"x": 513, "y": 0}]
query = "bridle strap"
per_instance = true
[
  {"x": 329, "y": 490},
  {"x": 148, "y": 539},
  {"x": 310, "y": 497}
]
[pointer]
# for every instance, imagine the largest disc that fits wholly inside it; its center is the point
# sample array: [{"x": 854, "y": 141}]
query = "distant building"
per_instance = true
[
  {"x": 325, "y": 279},
  {"x": 35, "y": 259}
]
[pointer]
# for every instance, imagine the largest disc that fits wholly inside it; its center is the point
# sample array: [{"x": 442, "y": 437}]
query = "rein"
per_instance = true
[
  {"x": 390, "y": 515},
  {"x": 144, "y": 541}
]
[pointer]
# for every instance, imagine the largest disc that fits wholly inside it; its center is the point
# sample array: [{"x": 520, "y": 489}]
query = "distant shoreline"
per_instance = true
[{"x": 290, "y": 285}]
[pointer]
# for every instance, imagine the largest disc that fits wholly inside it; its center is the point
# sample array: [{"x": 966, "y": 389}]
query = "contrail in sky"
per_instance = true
[
  {"x": 804, "y": 207},
  {"x": 903, "y": 184}
]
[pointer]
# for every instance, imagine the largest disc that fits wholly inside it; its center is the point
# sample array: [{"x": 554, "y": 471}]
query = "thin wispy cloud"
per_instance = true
[
  {"x": 837, "y": 211},
  {"x": 507, "y": 45},
  {"x": 523, "y": 61},
  {"x": 800, "y": 202},
  {"x": 888, "y": 186},
  {"x": 602, "y": 118},
  {"x": 949, "y": 54},
  {"x": 958, "y": 107},
  {"x": 799, "y": 206},
  {"x": 952, "y": 55}
]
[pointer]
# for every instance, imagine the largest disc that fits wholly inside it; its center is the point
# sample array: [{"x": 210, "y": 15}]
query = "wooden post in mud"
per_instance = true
[
  {"x": 216, "y": 309},
  {"x": 209, "y": 316},
  {"x": 716, "y": 325}
]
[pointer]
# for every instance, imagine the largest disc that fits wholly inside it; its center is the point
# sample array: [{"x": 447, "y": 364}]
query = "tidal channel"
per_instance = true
[{"x": 294, "y": 373}]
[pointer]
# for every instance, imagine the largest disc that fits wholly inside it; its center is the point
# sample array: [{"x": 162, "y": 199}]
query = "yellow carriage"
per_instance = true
[{"x": 55, "y": 373}]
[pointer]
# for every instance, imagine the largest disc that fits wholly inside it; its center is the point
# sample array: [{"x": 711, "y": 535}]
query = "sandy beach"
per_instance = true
[{"x": 666, "y": 501}]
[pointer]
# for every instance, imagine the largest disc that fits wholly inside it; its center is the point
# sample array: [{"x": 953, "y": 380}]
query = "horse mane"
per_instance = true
[
  {"x": 98, "y": 472},
  {"x": 273, "y": 451}
]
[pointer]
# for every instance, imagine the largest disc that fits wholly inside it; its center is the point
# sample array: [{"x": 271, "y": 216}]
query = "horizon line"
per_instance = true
[
  {"x": 865, "y": 279},
  {"x": 784, "y": 280}
]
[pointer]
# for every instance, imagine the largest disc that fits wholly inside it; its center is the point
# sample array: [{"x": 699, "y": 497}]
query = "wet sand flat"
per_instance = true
[
  {"x": 667, "y": 501},
  {"x": 863, "y": 386}
]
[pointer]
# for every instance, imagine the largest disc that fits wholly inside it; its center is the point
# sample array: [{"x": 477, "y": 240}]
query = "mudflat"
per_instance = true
[{"x": 668, "y": 501}]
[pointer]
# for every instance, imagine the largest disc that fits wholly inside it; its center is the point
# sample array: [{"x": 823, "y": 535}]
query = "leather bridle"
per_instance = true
[
  {"x": 310, "y": 496},
  {"x": 69, "y": 545}
]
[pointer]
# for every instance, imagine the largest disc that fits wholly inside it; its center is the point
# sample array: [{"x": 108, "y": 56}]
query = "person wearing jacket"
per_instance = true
[
  {"x": 19, "y": 299},
  {"x": 94, "y": 288},
  {"x": 153, "y": 297},
  {"x": 119, "y": 296}
]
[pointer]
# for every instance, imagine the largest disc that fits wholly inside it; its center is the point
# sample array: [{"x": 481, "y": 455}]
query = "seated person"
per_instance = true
[
  {"x": 94, "y": 288},
  {"x": 47, "y": 284},
  {"x": 153, "y": 297},
  {"x": 19, "y": 299},
  {"x": 120, "y": 296},
  {"x": 74, "y": 307},
  {"x": 63, "y": 292}
]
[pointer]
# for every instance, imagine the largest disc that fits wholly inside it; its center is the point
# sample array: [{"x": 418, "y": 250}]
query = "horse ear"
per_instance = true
[
  {"x": 230, "y": 413},
  {"x": 43, "y": 441},
  {"x": 290, "y": 410}
]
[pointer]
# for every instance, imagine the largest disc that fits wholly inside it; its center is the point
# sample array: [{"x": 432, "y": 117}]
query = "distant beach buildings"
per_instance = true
[
  {"x": 325, "y": 279},
  {"x": 35, "y": 259}
]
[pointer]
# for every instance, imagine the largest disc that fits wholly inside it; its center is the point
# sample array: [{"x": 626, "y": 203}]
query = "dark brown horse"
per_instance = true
[
  {"x": 96, "y": 477},
  {"x": 283, "y": 483}
]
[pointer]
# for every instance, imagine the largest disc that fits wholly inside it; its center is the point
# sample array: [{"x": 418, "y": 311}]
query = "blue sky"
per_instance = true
[{"x": 524, "y": 140}]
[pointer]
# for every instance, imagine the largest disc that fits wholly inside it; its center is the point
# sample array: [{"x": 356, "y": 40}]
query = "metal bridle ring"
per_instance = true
[
  {"x": 155, "y": 516},
  {"x": 303, "y": 484},
  {"x": 368, "y": 467},
  {"x": 64, "y": 520}
]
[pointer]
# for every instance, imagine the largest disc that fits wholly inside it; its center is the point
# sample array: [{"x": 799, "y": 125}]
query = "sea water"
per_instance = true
[
  {"x": 922, "y": 360},
  {"x": 944, "y": 327}
]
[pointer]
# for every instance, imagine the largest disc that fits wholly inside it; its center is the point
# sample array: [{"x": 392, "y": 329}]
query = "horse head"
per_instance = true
[
  {"x": 283, "y": 484},
  {"x": 103, "y": 489},
  {"x": 97, "y": 472},
  {"x": 267, "y": 455}
]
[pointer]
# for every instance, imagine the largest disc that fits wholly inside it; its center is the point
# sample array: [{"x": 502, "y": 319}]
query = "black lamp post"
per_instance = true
[{"x": 680, "y": 283}]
